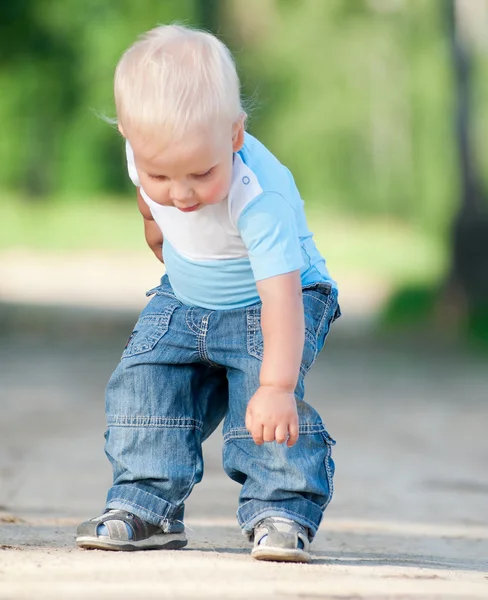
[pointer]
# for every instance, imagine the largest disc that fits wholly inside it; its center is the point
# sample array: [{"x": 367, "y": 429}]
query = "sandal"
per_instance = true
[
  {"x": 280, "y": 539},
  {"x": 121, "y": 530}
]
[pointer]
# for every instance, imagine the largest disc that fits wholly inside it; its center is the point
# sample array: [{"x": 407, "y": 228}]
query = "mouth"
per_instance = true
[{"x": 190, "y": 208}]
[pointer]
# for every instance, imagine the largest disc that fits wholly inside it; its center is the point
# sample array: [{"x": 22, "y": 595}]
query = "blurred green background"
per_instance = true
[{"x": 378, "y": 107}]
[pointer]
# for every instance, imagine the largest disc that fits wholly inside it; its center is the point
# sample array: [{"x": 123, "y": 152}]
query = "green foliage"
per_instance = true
[
  {"x": 73, "y": 224},
  {"x": 423, "y": 308},
  {"x": 55, "y": 77},
  {"x": 355, "y": 97},
  {"x": 412, "y": 306},
  {"x": 357, "y": 101},
  {"x": 369, "y": 248},
  {"x": 477, "y": 327}
]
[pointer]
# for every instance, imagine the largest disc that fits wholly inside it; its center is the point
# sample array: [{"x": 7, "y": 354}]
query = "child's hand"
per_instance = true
[{"x": 272, "y": 415}]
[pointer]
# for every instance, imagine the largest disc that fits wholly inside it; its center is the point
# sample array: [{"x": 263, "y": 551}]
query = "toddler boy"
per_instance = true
[{"x": 238, "y": 320}]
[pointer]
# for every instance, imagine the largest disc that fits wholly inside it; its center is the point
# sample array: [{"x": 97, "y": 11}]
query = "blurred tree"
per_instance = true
[
  {"x": 56, "y": 66},
  {"x": 467, "y": 283},
  {"x": 208, "y": 15},
  {"x": 33, "y": 55}
]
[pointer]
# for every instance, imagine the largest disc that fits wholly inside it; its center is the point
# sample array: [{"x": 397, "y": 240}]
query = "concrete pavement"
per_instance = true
[{"x": 408, "y": 520}]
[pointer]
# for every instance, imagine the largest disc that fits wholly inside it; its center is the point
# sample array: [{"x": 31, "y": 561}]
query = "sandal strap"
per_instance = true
[
  {"x": 116, "y": 521},
  {"x": 117, "y": 530},
  {"x": 280, "y": 533}
]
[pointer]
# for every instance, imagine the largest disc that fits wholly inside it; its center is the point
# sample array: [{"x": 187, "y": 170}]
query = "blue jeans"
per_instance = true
[{"x": 183, "y": 370}]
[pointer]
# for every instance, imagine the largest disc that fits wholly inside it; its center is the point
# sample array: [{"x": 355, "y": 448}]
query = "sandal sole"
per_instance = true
[
  {"x": 281, "y": 555},
  {"x": 165, "y": 541}
]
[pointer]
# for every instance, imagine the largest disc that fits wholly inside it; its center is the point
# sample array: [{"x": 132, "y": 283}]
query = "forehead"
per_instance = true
[{"x": 193, "y": 153}]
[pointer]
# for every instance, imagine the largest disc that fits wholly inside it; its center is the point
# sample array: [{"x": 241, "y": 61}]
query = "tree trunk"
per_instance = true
[
  {"x": 208, "y": 15},
  {"x": 467, "y": 285}
]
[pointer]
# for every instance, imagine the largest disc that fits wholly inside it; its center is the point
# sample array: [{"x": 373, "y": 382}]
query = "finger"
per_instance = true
[
  {"x": 269, "y": 434},
  {"x": 249, "y": 420},
  {"x": 293, "y": 433},
  {"x": 257, "y": 434},
  {"x": 281, "y": 433}
]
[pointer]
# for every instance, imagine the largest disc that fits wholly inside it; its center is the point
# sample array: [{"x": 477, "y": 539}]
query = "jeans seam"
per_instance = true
[
  {"x": 233, "y": 435},
  {"x": 132, "y": 503},
  {"x": 325, "y": 302},
  {"x": 168, "y": 295},
  {"x": 330, "y": 299},
  {"x": 239, "y": 433},
  {"x": 252, "y": 313},
  {"x": 191, "y": 485},
  {"x": 153, "y": 421},
  {"x": 327, "y": 305},
  {"x": 281, "y": 510},
  {"x": 191, "y": 325},
  {"x": 202, "y": 341},
  {"x": 160, "y": 325},
  {"x": 330, "y": 477}
]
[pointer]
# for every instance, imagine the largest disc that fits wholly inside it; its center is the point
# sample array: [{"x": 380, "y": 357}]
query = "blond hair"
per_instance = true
[{"x": 174, "y": 78}]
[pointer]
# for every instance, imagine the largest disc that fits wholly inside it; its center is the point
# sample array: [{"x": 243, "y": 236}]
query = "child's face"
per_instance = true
[{"x": 192, "y": 173}]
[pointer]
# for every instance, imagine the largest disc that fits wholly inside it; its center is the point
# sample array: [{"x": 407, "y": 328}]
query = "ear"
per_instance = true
[{"x": 238, "y": 133}]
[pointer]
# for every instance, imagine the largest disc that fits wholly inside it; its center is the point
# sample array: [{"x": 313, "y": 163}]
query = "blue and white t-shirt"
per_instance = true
[{"x": 215, "y": 255}]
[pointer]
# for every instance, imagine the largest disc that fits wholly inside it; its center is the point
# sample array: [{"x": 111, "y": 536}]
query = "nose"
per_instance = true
[{"x": 180, "y": 192}]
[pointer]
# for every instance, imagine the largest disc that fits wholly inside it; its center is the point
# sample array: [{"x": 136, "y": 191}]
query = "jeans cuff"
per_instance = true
[
  {"x": 146, "y": 506},
  {"x": 301, "y": 511}
]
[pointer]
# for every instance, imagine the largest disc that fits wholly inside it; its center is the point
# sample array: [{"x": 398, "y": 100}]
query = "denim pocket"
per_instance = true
[
  {"x": 320, "y": 307},
  {"x": 255, "y": 342},
  {"x": 254, "y": 332},
  {"x": 149, "y": 330},
  {"x": 329, "y": 466}
]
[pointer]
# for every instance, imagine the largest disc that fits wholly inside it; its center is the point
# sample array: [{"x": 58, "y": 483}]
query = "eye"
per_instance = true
[
  {"x": 158, "y": 177},
  {"x": 203, "y": 175}
]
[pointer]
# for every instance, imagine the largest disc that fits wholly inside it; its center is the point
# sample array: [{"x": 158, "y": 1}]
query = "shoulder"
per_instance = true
[
  {"x": 262, "y": 162},
  {"x": 257, "y": 173}
]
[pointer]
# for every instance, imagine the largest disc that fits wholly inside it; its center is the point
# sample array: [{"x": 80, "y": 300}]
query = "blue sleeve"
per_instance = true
[{"x": 268, "y": 228}]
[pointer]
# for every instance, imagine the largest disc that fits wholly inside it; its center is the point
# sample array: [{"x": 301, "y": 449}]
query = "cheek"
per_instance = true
[
  {"x": 216, "y": 191},
  {"x": 157, "y": 191}
]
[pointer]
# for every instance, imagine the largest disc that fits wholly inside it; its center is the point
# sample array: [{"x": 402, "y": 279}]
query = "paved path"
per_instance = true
[
  {"x": 104, "y": 278},
  {"x": 409, "y": 518}
]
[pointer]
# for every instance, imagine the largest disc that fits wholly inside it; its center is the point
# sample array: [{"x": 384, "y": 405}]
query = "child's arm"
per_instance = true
[
  {"x": 272, "y": 413},
  {"x": 154, "y": 236}
]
